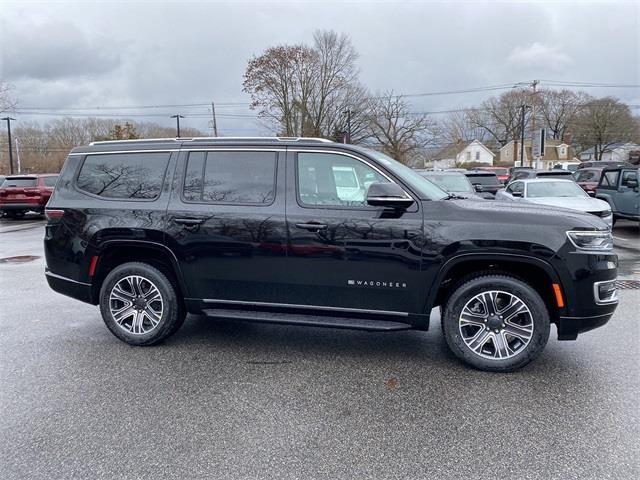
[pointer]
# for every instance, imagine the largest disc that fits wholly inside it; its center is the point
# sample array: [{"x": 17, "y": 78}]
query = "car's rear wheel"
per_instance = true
[
  {"x": 140, "y": 305},
  {"x": 496, "y": 323}
]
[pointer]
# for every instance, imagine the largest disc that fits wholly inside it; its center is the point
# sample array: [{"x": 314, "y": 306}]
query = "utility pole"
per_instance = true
[
  {"x": 523, "y": 109},
  {"x": 534, "y": 84},
  {"x": 8, "y": 120},
  {"x": 215, "y": 125},
  {"x": 177, "y": 117},
  {"x": 348, "y": 137}
]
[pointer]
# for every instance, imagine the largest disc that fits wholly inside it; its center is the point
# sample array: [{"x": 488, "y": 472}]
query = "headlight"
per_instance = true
[
  {"x": 594, "y": 241},
  {"x": 606, "y": 213}
]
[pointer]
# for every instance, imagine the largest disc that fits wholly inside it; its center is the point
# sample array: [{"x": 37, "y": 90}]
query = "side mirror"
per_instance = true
[
  {"x": 388, "y": 195},
  {"x": 479, "y": 188},
  {"x": 516, "y": 194},
  {"x": 632, "y": 183}
]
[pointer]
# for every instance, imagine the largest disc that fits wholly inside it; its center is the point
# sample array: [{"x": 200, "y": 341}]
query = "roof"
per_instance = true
[
  {"x": 177, "y": 143},
  {"x": 452, "y": 151},
  {"x": 611, "y": 147},
  {"x": 544, "y": 179}
]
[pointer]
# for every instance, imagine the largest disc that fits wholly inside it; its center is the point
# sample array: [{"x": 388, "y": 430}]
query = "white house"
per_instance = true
[
  {"x": 616, "y": 152},
  {"x": 554, "y": 151},
  {"x": 462, "y": 152}
]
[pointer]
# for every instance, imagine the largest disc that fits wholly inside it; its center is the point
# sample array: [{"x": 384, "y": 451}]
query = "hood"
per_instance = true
[
  {"x": 518, "y": 213},
  {"x": 582, "y": 204}
]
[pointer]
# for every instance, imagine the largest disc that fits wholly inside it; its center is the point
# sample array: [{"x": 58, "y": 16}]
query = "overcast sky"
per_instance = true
[{"x": 111, "y": 53}]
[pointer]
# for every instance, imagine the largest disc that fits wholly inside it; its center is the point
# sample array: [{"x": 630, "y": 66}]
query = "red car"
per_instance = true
[
  {"x": 588, "y": 179},
  {"x": 501, "y": 172},
  {"x": 20, "y": 194}
]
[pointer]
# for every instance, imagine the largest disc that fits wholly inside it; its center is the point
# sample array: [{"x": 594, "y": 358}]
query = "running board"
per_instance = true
[{"x": 307, "y": 320}]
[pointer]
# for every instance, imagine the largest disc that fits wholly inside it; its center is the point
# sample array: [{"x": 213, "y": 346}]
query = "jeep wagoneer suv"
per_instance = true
[{"x": 309, "y": 232}]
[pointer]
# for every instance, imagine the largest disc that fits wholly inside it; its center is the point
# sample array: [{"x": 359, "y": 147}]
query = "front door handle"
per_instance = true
[
  {"x": 189, "y": 221},
  {"x": 312, "y": 227}
]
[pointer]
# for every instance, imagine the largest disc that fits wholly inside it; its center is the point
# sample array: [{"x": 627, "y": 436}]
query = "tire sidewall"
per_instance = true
[
  {"x": 170, "y": 312},
  {"x": 526, "y": 293}
]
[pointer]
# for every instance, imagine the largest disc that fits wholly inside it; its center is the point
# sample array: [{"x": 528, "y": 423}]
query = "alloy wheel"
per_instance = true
[
  {"x": 136, "y": 304},
  {"x": 496, "y": 325}
]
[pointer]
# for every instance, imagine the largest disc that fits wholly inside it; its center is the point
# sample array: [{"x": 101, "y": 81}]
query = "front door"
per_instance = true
[
  {"x": 226, "y": 224},
  {"x": 628, "y": 199},
  {"x": 342, "y": 252}
]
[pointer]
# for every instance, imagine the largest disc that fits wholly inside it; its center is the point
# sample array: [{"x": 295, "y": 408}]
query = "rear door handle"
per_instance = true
[
  {"x": 188, "y": 221},
  {"x": 313, "y": 227}
]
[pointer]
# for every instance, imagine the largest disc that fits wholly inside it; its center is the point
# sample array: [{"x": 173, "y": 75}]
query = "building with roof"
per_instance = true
[
  {"x": 554, "y": 151},
  {"x": 461, "y": 153},
  {"x": 616, "y": 152}
]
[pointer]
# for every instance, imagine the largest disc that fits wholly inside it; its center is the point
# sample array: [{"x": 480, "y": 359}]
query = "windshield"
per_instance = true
[
  {"x": 19, "y": 182},
  {"x": 554, "y": 189},
  {"x": 450, "y": 183},
  {"x": 420, "y": 185},
  {"x": 489, "y": 179}
]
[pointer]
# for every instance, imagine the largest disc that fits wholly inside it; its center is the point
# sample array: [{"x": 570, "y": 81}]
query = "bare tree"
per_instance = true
[
  {"x": 501, "y": 117},
  {"x": 399, "y": 133},
  {"x": 306, "y": 91},
  {"x": 457, "y": 126},
  {"x": 7, "y": 101},
  {"x": 558, "y": 109},
  {"x": 603, "y": 122}
]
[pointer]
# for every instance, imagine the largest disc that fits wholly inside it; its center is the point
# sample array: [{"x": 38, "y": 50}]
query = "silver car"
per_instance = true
[{"x": 556, "y": 193}]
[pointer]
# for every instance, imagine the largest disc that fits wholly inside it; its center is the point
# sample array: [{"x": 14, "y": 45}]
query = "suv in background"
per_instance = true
[
  {"x": 600, "y": 164},
  {"x": 20, "y": 194},
  {"x": 588, "y": 179},
  {"x": 260, "y": 230},
  {"x": 619, "y": 187},
  {"x": 501, "y": 172},
  {"x": 452, "y": 182},
  {"x": 525, "y": 173},
  {"x": 486, "y": 184}
]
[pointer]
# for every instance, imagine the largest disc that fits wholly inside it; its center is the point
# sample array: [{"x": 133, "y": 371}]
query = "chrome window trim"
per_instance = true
[{"x": 305, "y": 307}]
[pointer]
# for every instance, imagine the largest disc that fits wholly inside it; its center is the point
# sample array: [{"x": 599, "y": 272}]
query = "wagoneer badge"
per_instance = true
[{"x": 375, "y": 283}]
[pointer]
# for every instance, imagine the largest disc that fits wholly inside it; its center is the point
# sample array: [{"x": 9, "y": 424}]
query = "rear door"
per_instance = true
[
  {"x": 226, "y": 223},
  {"x": 344, "y": 254}
]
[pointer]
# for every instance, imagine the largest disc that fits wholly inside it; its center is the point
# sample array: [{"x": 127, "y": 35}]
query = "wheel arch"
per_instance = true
[
  {"x": 116, "y": 252},
  {"x": 535, "y": 271}
]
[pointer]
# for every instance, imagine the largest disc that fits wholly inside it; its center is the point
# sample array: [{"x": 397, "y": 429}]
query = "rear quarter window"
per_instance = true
[
  {"x": 133, "y": 176},
  {"x": 20, "y": 182}
]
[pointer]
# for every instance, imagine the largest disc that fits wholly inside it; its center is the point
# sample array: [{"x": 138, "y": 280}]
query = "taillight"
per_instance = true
[{"x": 53, "y": 216}]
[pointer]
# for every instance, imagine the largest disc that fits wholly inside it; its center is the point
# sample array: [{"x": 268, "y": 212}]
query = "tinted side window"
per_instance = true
[
  {"x": 230, "y": 177},
  {"x": 629, "y": 175},
  {"x": 124, "y": 175},
  {"x": 330, "y": 179},
  {"x": 20, "y": 182},
  {"x": 610, "y": 179},
  {"x": 516, "y": 187}
]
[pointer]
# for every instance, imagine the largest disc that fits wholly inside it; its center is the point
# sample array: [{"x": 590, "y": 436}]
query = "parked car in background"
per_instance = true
[
  {"x": 532, "y": 173},
  {"x": 570, "y": 166},
  {"x": 501, "y": 172},
  {"x": 452, "y": 182},
  {"x": 20, "y": 194},
  {"x": 619, "y": 188},
  {"x": 598, "y": 164},
  {"x": 588, "y": 179},
  {"x": 486, "y": 184},
  {"x": 556, "y": 193}
]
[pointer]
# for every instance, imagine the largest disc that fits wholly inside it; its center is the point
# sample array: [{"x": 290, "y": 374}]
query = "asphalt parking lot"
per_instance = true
[{"x": 243, "y": 401}]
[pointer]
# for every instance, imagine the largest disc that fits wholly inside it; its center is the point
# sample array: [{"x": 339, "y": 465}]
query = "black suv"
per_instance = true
[{"x": 310, "y": 232}]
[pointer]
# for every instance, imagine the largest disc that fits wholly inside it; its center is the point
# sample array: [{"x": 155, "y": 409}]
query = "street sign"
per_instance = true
[{"x": 537, "y": 149}]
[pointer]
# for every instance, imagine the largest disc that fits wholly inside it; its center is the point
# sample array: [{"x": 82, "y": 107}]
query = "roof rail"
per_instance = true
[{"x": 191, "y": 139}]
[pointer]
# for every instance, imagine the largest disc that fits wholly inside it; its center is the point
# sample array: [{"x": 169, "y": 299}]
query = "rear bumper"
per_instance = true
[
  {"x": 71, "y": 288},
  {"x": 21, "y": 207}
]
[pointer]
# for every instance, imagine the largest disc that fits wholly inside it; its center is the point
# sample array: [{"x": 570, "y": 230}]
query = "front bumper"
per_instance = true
[{"x": 570, "y": 327}]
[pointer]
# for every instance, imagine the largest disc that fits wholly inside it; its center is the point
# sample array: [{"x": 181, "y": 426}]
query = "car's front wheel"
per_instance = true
[
  {"x": 140, "y": 305},
  {"x": 496, "y": 323}
]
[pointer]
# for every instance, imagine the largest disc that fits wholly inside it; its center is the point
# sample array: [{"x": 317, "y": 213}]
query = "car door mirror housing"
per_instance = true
[
  {"x": 516, "y": 194},
  {"x": 478, "y": 187},
  {"x": 632, "y": 183},
  {"x": 388, "y": 195}
]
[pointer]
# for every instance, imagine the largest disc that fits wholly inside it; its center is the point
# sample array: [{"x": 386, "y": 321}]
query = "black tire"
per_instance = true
[
  {"x": 15, "y": 215},
  {"x": 172, "y": 316},
  {"x": 537, "y": 318}
]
